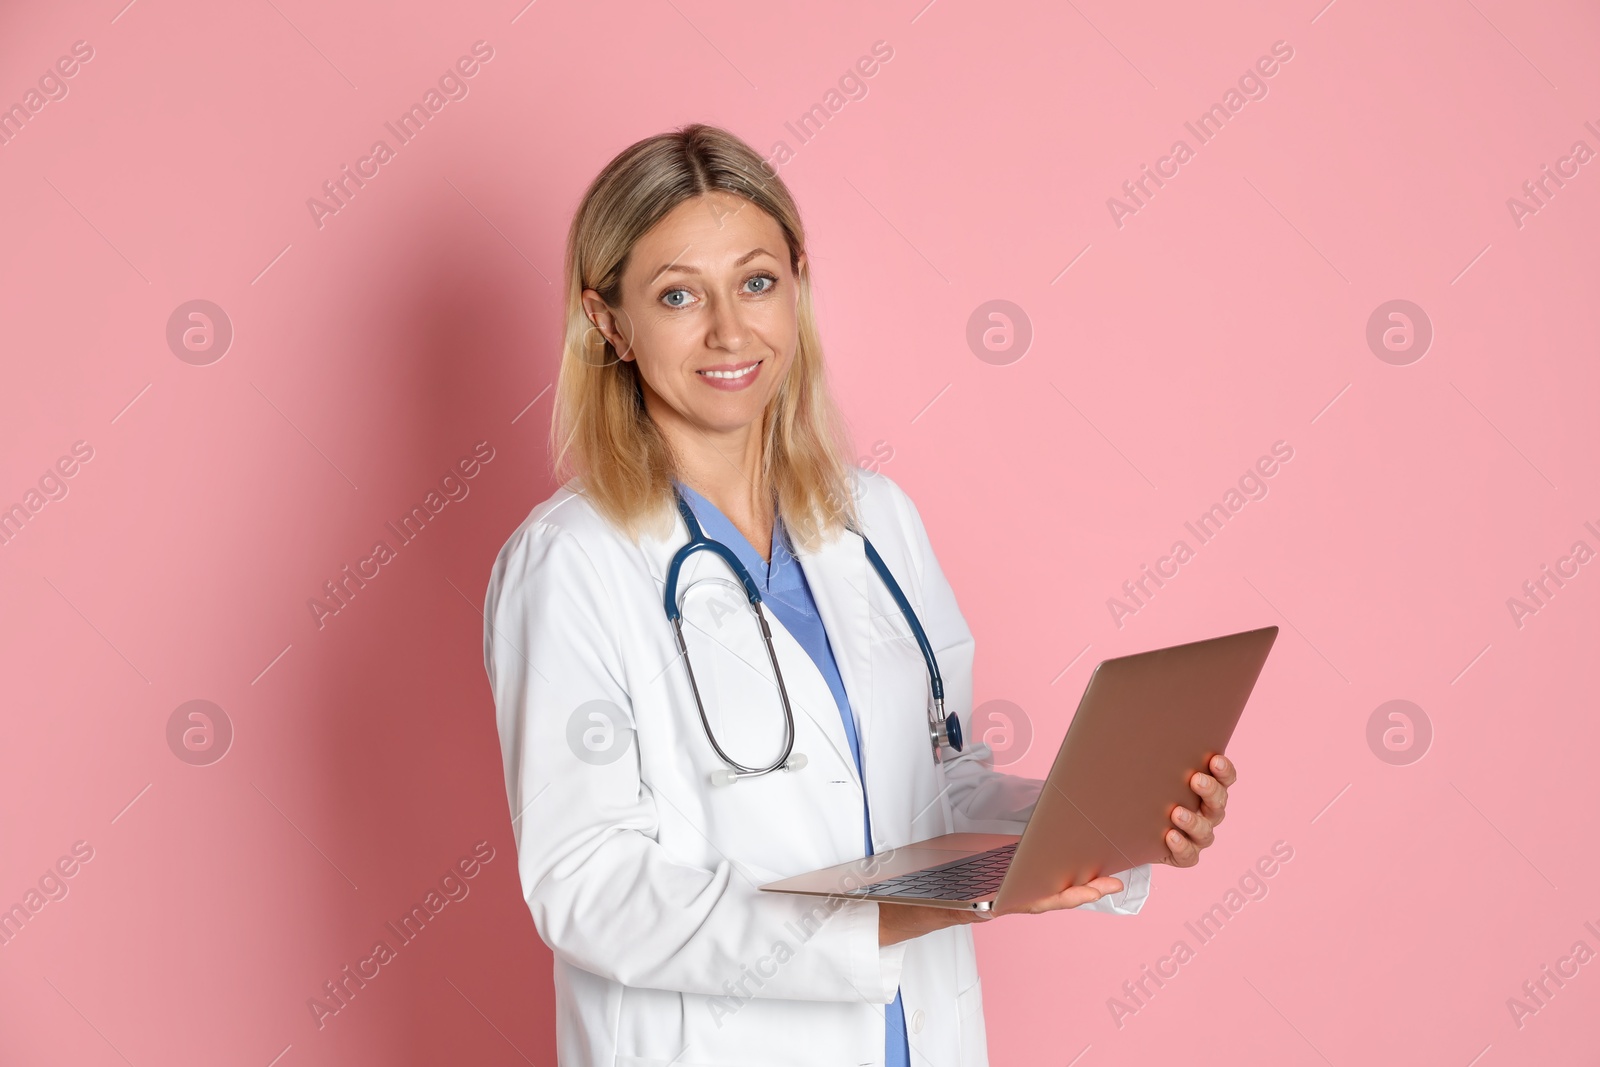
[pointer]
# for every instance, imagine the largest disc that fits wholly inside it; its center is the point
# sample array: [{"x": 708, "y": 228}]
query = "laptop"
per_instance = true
[{"x": 1146, "y": 723}]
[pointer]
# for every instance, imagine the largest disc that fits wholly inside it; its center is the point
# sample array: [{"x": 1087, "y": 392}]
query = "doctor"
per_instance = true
[{"x": 692, "y": 364}]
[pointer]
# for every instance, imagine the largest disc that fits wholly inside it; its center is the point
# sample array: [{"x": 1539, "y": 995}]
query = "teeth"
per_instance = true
[{"x": 730, "y": 373}]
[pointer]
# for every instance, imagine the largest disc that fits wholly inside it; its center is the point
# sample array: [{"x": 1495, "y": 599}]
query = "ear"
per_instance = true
[{"x": 604, "y": 321}]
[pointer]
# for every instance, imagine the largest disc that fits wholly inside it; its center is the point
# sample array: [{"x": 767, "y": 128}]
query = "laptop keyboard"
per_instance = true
[{"x": 961, "y": 879}]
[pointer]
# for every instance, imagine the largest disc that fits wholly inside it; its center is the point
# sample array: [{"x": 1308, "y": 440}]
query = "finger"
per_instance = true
[
  {"x": 1106, "y": 884},
  {"x": 1213, "y": 796},
  {"x": 1088, "y": 893},
  {"x": 1196, "y": 827},
  {"x": 1078, "y": 895},
  {"x": 1184, "y": 852},
  {"x": 1224, "y": 769},
  {"x": 1071, "y": 897}
]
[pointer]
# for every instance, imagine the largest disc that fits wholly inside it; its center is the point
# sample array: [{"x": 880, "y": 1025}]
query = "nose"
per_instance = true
[{"x": 728, "y": 328}]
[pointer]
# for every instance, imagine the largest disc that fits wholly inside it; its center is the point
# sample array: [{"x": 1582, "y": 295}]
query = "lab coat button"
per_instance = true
[{"x": 917, "y": 1019}]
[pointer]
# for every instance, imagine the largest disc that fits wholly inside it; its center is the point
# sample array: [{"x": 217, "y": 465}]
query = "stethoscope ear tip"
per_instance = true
[{"x": 723, "y": 776}]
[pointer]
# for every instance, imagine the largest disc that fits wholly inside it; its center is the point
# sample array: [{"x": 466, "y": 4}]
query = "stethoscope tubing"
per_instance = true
[{"x": 697, "y": 542}]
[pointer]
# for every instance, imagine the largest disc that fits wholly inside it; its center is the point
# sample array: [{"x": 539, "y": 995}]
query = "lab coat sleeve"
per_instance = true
[
  {"x": 605, "y": 894},
  {"x": 983, "y": 799}
]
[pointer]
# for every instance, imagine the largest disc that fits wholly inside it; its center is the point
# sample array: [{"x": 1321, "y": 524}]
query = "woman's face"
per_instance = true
[{"x": 708, "y": 312}]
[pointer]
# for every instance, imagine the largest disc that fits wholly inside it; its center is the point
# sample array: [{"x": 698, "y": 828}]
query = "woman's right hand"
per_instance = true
[{"x": 901, "y": 922}]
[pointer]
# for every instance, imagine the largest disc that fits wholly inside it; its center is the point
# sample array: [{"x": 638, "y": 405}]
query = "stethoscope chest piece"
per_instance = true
[{"x": 945, "y": 731}]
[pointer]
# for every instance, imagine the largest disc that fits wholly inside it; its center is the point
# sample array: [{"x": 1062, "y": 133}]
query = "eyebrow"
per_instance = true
[{"x": 741, "y": 261}]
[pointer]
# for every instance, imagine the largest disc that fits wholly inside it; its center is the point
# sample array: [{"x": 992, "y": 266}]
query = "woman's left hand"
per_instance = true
[{"x": 1195, "y": 829}]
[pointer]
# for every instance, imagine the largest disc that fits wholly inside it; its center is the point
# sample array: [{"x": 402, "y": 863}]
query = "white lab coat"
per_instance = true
[{"x": 642, "y": 877}]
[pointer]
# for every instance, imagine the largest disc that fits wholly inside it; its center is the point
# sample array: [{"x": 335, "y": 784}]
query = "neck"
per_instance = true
[{"x": 724, "y": 466}]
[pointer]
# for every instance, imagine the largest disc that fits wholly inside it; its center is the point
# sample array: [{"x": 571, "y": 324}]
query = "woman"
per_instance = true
[{"x": 692, "y": 369}]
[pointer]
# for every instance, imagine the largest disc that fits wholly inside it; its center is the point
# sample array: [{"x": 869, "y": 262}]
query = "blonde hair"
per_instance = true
[{"x": 600, "y": 432}]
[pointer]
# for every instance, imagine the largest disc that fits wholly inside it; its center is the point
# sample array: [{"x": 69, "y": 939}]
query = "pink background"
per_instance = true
[{"x": 1230, "y": 312}]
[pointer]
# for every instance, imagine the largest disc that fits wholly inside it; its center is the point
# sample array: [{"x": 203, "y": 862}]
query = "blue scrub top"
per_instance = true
[{"x": 784, "y": 591}]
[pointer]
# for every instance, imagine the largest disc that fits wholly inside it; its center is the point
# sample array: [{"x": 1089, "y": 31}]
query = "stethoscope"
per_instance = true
[{"x": 943, "y": 731}]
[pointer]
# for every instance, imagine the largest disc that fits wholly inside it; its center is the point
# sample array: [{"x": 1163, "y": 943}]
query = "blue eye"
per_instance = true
[{"x": 770, "y": 282}]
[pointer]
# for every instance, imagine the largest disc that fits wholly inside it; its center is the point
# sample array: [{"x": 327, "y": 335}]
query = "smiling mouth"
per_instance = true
[{"x": 731, "y": 375}]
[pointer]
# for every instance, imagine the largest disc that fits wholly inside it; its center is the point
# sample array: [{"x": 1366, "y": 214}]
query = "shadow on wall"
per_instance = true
[{"x": 441, "y": 952}]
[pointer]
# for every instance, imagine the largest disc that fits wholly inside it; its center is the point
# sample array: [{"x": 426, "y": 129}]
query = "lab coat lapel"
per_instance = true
[
  {"x": 838, "y": 573},
  {"x": 809, "y": 694}
]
